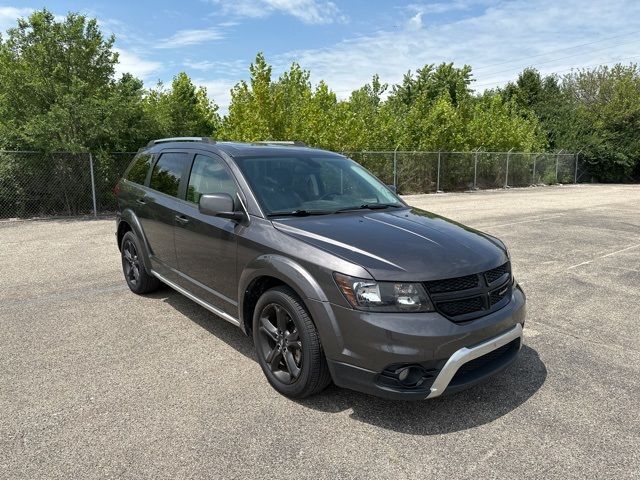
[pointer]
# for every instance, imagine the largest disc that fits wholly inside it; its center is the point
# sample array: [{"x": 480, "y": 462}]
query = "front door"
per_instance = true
[{"x": 205, "y": 245}]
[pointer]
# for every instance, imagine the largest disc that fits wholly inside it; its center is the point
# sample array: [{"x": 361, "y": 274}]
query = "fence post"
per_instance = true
[
  {"x": 475, "y": 169},
  {"x": 93, "y": 187},
  {"x": 438, "y": 179},
  {"x": 533, "y": 182},
  {"x": 557, "y": 162},
  {"x": 395, "y": 168},
  {"x": 506, "y": 173}
]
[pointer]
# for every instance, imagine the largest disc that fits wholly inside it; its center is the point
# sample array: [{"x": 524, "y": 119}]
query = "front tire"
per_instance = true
[
  {"x": 133, "y": 267},
  {"x": 287, "y": 345}
]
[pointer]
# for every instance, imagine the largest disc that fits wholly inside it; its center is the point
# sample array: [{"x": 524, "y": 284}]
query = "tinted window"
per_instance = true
[
  {"x": 138, "y": 170},
  {"x": 209, "y": 175},
  {"x": 320, "y": 184},
  {"x": 167, "y": 172}
]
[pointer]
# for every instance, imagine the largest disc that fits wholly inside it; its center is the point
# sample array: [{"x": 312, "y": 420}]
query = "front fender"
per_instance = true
[{"x": 303, "y": 283}]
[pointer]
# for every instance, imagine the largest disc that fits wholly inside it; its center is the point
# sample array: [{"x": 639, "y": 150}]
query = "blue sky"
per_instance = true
[{"x": 346, "y": 42}]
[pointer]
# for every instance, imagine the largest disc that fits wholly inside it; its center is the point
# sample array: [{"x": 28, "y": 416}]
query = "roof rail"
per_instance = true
[
  {"x": 284, "y": 143},
  {"x": 181, "y": 139}
]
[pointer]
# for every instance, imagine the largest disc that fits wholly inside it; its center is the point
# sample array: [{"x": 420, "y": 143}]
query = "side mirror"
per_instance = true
[
  {"x": 392, "y": 188},
  {"x": 219, "y": 205}
]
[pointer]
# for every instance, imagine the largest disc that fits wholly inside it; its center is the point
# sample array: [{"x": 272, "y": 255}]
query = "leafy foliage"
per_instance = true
[
  {"x": 59, "y": 91},
  {"x": 593, "y": 111}
]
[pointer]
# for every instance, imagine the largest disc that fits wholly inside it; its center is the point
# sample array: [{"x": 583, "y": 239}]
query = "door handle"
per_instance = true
[
  {"x": 182, "y": 219},
  {"x": 141, "y": 201}
]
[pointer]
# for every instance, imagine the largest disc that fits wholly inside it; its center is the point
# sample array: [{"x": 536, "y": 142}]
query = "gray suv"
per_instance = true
[{"x": 334, "y": 276}]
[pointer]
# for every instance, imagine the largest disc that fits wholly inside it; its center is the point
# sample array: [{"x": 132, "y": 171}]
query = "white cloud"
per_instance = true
[
  {"x": 523, "y": 33},
  {"x": 439, "y": 8},
  {"x": 9, "y": 16},
  {"x": 308, "y": 11},
  {"x": 130, "y": 62},
  {"x": 183, "y": 38},
  {"x": 415, "y": 22},
  {"x": 218, "y": 90},
  {"x": 234, "y": 67}
]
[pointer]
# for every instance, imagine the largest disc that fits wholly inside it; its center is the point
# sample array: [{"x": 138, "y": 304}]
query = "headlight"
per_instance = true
[{"x": 384, "y": 296}]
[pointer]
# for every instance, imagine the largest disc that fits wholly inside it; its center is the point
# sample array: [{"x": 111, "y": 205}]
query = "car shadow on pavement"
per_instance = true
[
  {"x": 468, "y": 409},
  {"x": 225, "y": 331}
]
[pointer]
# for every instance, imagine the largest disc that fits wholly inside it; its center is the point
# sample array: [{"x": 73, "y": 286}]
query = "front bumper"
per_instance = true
[
  {"x": 467, "y": 354},
  {"x": 364, "y": 350}
]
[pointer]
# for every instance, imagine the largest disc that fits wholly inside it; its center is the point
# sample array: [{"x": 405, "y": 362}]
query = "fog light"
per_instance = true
[{"x": 410, "y": 376}]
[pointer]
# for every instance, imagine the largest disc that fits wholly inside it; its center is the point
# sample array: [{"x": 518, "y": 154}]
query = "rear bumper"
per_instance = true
[{"x": 449, "y": 357}]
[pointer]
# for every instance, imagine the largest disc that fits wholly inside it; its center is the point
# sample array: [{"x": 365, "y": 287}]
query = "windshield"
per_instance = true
[{"x": 314, "y": 185}]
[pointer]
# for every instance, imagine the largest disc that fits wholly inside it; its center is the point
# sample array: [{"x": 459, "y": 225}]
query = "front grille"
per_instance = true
[
  {"x": 499, "y": 294},
  {"x": 453, "y": 284},
  {"x": 465, "y": 298},
  {"x": 496, "y": 273},
  {"x": 461, "y": 307}
]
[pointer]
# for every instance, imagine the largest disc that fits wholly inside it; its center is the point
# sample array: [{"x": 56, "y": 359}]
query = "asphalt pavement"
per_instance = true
[{"x": 96, "y": 382}]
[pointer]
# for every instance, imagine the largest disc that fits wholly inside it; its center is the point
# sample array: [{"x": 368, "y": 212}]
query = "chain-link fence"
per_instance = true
[
  {"x": 36, "y": 184},
  {"x": 426, "y": 172}
]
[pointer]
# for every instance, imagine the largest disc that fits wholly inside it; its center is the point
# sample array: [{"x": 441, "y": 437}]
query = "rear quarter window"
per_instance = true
[{"x": 137, "y": 172}]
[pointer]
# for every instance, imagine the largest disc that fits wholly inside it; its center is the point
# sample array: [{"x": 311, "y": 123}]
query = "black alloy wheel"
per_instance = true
[
  {"x": 133, "y": 266},
  {"x": 287, "y": 344},
  {"x": 130, "y": 262},
  {"x": 280, "y": 343}
]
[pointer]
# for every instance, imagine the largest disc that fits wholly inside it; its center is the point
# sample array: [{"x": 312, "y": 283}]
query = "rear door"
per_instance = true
[
  {"x": 158, "y": 208},
  {"x": 206, "y": 246}
]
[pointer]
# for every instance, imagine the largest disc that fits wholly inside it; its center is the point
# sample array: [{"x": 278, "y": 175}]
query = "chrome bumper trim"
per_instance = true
[{"x": 465, "y": 355}]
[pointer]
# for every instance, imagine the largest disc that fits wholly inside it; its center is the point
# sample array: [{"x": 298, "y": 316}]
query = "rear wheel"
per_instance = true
[
  {"x": 287, "y": 345},
  {"x": 133, "y": 266}
]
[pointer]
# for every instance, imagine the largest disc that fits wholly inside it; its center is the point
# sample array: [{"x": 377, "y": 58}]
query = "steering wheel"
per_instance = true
[{"x": 327, "y": 195}]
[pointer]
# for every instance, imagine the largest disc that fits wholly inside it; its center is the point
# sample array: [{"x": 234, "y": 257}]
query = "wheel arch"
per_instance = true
[
  {"x": 129, "y": 222},
  {"x": 268, "y": 271}
]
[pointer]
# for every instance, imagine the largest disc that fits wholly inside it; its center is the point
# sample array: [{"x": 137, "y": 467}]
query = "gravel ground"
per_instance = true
[{"x": 96, "y": 382}]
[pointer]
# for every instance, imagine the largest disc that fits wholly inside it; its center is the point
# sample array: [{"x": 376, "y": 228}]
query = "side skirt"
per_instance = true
[{"x": 199, "y": 301}]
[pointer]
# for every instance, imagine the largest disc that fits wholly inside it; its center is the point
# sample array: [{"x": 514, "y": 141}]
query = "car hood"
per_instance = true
[{"x": 406, "y": 244}]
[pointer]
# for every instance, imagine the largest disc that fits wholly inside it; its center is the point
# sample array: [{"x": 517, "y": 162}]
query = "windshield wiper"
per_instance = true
[
  {"x": 299, "y": 213},
  {"x": 370, "y": 206},
  {"x": 305, "y": 213}
]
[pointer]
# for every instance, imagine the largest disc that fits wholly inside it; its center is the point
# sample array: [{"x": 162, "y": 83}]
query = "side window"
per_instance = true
[
  {"x": 166, "y": 174},
  {"x": 209, "y": 175},
  {"x": 137, "y": 172}
]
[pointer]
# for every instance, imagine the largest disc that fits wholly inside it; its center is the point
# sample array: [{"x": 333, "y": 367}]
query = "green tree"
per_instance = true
[
  {"x": 500, "y": 126},
  {"x": 607, "y": 102},
  {"x": 551, "y": 104},
  {"x": 363, "y": 121},
  {"x": 430, "y": 82},
  {"x": 58, "y": 91},
  {"x": 324, "y": 120},
  {"x": 290, "y": 95},
  {"x": 430, "y": 103},
  {"x": 56, "y": 79},
  {"x": 182, "y": 110},
  {"x": 250, "y": 112},
  {"x": 285, "y": 109},
  {"x": 434, "y": 126}
]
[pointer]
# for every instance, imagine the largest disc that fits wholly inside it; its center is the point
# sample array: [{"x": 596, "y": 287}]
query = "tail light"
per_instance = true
[{"x": 116, "y": 190}]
